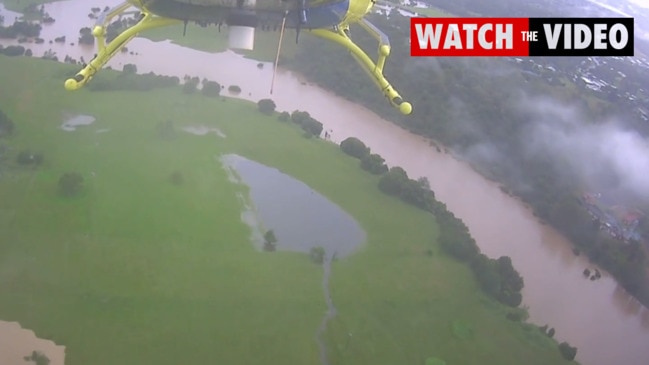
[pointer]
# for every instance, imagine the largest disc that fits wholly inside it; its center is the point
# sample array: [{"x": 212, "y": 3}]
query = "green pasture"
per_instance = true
[{"x": 137, "y": 270}]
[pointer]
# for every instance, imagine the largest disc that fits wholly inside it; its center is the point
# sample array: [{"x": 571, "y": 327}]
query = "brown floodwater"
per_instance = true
[{"x": 599, "y": 317}]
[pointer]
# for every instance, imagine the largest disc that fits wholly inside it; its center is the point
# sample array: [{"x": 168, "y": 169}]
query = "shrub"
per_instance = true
[
  {"x": 211, "y": 88},
  {"x": 568, "y": 352},
  {"x": 266, "y": 106},
  {"x": 354, "y": 147}
]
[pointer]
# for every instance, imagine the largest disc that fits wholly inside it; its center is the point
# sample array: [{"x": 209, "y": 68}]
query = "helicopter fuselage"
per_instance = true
[{"x": 310, "y": 14}]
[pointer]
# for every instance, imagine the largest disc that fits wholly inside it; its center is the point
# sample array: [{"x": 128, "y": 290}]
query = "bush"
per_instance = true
[
  {"x": 568, "y": 352},
  {"x": 284, "y": 117},
  {"x": 190, "y": 86},
  {"x": 298, "y": 117},
  {"x": 392, "y": 182},
  {"x": 374, "y": 163},
  {"x": 354, "y": 147},
  {"x": 266, "y": 106},
  {"x": 312, "y": 126},
  {"x": 70, "y": 184},
  {"x": 129, "y": 68},
  {"x": 13, "y": 51},
  {"x": 234, "y": 89},
  {"x": 211, "y": 88},
  {"x": 270, "y": 241}
]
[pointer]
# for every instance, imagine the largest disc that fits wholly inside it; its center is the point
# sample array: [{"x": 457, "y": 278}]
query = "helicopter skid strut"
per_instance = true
[
  {"x": 374, "y": 70},
  {"x": 339, "y": 35},
  {"x": 106, "y": 51}
]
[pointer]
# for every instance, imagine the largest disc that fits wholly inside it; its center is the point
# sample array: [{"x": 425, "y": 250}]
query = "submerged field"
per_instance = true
[{"x": 136, "y": 270}]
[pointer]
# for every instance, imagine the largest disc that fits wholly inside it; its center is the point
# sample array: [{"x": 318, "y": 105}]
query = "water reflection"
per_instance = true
[{"x": 301, "y": 218}]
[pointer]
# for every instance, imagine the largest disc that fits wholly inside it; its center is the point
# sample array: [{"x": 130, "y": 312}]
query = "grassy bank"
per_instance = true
[{"x": 139, "y": 271}]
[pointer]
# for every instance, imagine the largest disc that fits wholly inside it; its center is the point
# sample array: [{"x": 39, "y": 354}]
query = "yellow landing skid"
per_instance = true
[{"x": 150, "y": 21}]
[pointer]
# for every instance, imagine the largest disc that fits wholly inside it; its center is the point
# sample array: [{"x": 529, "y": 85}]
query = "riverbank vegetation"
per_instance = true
[
  {"x": 118, "y": 274},
  {"x": 496, "y": 277},
  {"x": 489, "y": 118}
]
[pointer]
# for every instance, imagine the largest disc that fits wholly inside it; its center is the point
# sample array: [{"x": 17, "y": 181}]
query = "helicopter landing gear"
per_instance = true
[
  {"x": 375, "y": 70},
  {"x": 107, "y": 51}
]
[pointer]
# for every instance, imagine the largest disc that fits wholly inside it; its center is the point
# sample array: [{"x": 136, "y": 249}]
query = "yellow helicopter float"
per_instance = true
[{"x": 327, "y": 19}]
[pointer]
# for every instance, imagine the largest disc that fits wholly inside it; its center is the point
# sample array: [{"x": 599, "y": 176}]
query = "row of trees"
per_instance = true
[
  {"x": 461, "y": 105},
  {"x": 309, "y": 125},
  {"x": 21, "y": 29},
  {"x": 130, "y": 80},
  {"x": 15, "y": 51},
  {"x": 209, "y": 88},
  {"x": 497, "y": 278}
]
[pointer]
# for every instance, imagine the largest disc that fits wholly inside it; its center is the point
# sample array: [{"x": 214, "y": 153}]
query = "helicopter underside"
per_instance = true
[
  {"x": 307, "y": 14},
  {"x": 326, "y": 19}
]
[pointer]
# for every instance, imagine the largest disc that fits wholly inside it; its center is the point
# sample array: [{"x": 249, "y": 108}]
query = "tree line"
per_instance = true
[
  {"x": 496, "y": 277},
  {"x": 475, "y": 101}
]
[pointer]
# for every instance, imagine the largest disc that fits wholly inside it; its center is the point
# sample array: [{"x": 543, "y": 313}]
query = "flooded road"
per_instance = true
[{"x": 599, "y": 318}]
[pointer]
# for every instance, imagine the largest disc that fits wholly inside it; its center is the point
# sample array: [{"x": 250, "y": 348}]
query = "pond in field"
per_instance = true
[{"x": 300, "y": 217}]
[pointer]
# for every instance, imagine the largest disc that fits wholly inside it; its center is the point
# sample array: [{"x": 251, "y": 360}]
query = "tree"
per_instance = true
[
  {"x": 70, "y": 184},
  {"x": 354, "y": 147},
  {"x": 511, "y": 282},
  {"x": 270, "y": 241},
  {"x": 317, "y": 254},
  {"x": 284, "y": 117},
  {"x": 424, "y": 183},
  {"x": 13, "y": 51},
  {"x": 392, "y": 182},
  {"x": 486, "y": 275},
  {"x": 298, "y": 117},
  {"x": 412, "y": 192},
  {"x": 459, "y": 245},
  {"x": 211, "y": 88},
  {"x": 191, "y": 85},
  {"x": 374, "y": 163},
  {"x": 129, "y": 68},
  {"x": 312, "y": 126},
  {"x": 266, "y": 106},
  {"x": 568, "y": 352}
]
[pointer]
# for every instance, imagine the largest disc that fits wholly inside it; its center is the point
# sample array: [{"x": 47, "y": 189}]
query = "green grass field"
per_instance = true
[{"x": 136, "y": 270}]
